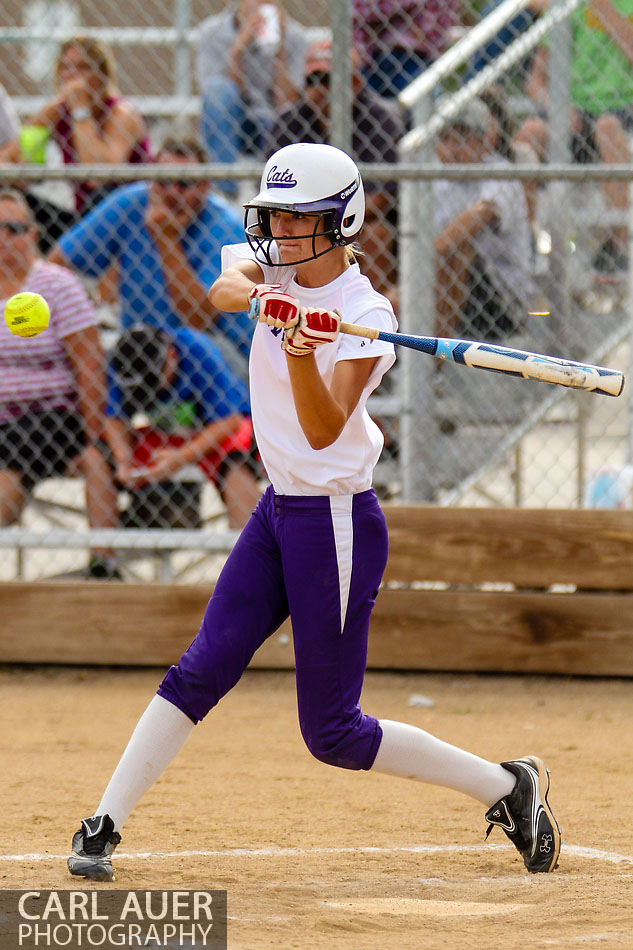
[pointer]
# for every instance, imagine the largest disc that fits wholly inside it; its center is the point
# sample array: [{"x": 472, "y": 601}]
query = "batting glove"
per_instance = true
[
  {"x": 272, "y": 306},
  {"x": 314, "y": 327}
]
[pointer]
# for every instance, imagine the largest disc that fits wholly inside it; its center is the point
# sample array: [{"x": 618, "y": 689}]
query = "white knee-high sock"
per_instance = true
[
  {"x": 160, "y": 734},
  {"x": 412, "y": 753}
]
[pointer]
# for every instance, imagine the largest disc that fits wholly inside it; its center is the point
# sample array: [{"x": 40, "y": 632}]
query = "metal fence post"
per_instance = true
[
  {"x": 182, "y": 64},
  {"x": 417, "y": 303},
  {"x": 559, "y": 131},
  {"x": 341, "y": 75}
]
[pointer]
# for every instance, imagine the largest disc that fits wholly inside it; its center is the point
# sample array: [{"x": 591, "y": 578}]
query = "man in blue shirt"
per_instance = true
[
  {"x": 196, "y": 412},
  {"x": 166, "y": 237}
]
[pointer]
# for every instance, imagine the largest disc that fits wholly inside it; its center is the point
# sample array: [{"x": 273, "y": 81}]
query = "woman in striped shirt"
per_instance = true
[{"x": 52, "y": 386}]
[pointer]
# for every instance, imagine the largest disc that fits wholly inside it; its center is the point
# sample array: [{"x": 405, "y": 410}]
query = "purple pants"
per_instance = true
[{"x": 319, "y": 559}]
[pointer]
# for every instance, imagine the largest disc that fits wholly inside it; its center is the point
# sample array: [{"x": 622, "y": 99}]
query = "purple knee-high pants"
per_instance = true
[{"x": 320, "y": 559}]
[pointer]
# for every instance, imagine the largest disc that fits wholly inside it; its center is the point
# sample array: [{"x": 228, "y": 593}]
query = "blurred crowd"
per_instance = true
[{"x": 133, "y": 411}]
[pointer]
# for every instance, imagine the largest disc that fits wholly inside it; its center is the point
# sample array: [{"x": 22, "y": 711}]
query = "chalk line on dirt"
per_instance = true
[{"x": 595, "y": 854}]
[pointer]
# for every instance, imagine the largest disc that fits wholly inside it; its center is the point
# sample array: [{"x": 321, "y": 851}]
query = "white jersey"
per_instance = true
[{"x": 294, "y": 468}]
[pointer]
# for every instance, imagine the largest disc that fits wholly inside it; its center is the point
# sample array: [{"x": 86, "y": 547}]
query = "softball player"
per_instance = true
[{"x": 316, "y": 545}]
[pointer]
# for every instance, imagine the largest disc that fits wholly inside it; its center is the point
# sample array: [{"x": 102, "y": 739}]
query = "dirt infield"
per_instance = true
[{"x": 317, "y": 858}]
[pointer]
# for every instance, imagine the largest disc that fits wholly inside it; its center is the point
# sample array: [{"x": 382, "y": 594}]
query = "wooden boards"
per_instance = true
[{"x": 465, "y": 589}]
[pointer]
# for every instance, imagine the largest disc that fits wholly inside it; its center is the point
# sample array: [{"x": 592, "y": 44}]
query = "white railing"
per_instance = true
[
  {"x": 155, "y": 544},
  {"x": 115, "y": 35},
  {"x": 421, "y": 88},
  {"x": 129, "y": 539},
  {"x": 149, "y": 106}
]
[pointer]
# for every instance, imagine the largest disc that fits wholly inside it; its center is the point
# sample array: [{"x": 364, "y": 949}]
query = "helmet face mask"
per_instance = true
[
  {"x": 316, "y": 181},
  {"x": 260, "y": 237}
]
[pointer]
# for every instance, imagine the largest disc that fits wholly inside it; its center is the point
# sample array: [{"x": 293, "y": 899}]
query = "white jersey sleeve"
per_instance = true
[{"x": 368, "y": 308}]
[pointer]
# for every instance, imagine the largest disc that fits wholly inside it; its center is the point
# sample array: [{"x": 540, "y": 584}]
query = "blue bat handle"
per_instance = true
[{"x": 426, "y": 344}]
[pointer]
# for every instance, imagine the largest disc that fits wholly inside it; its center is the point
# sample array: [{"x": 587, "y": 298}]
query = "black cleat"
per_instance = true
[
  {"x": 526, "y": 817},
  {"x": 93, "y": 845}
]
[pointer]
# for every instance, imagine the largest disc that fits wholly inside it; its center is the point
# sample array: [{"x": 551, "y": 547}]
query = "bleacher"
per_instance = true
[{"x": 477, "y": 424}]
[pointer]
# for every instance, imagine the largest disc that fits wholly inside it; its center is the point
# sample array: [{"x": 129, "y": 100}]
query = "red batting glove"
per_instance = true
[
  {"x": 314, "y": 327},
  {"x": 276, "y": 308}
]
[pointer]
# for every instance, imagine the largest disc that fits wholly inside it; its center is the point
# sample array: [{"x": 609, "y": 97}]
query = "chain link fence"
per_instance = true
[{"x": 497, "y": 209}]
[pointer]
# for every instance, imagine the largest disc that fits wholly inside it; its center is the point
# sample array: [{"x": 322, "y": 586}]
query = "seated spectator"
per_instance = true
[
  {"x": 198, "y": 411},
  {"x": 167, "y": 237},
  {"x": 250, "y": 66},
  {"x": 482, "y": 239},
  {"x": 377, "y": 128},
  {"x": 601, "y": 91},
  {"x": 52, "y": 386},
  {"x": 88, "y": 118},
  {"x": 91, "y": 122},
  {"x": 399, "y": 39}
]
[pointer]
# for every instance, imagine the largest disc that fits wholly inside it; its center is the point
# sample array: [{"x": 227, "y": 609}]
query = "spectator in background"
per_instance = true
[
  {"x": 601, "y": 89},
  {"x": 377, "y": 127},
  {"x": 482, "y": 238},
  {"x": 399, "y": 39},
  {"x": 198, "y": 412},
  {"x": 91, "y": 122},
  {"x": 250, "y": 60},
  {"x": 167, "y": 237},
  {"x": 52, "y": 387}
]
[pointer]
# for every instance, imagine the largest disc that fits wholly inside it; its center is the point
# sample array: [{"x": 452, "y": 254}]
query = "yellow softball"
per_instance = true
[{"x": 26, "y": 314}]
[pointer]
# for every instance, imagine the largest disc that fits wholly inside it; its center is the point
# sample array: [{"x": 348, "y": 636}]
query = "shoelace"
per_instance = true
[{"x": 96, "y": 844}]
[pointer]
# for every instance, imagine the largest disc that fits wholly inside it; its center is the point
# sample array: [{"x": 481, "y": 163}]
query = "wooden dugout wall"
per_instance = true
[{"x": 466, "y": 589}]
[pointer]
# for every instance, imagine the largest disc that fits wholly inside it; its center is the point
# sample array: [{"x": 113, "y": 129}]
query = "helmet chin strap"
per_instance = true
[{"x": 305, "y": 260}]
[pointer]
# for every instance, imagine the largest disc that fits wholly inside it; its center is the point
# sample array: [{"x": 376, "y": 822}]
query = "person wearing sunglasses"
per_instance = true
[
  {"x": 52, "y": 386},
  {"x": 377, "y": 126},
  {"x": 88, "y": 118},
  {"x": 91, "y": 122},
  {"x": 166, "y": 236}
]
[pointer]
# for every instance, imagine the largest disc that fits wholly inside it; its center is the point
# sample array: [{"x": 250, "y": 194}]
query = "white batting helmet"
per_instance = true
[{"x": 318, "y": 180}]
